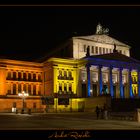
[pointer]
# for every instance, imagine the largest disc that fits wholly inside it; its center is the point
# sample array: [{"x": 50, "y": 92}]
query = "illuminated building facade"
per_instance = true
[{"x": 97, "y": 65}]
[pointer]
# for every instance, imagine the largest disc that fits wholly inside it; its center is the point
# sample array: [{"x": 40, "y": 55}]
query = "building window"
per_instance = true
[
  {"x": 85, "y": 48},
  {"x": 123, "y": 79},
  {"x": 92, "y": 49},
  {"x": 100, "y": 52},
  {"x": 60, "y": 74},
  {"x": 114, "y": 78},
  {"x": 39, "y": 77},
  {"x": 96, "y": 49},
  {"x": 34, "y": 89},
  {"x": 19, "y": 88},
  {"x": 29, "y": 76},
  {"x": 83, "y": 75},
  {"x": 110, "y": 51},
  {"x": 29, "y": 89},
  {"x": 34, "y": 77},
  {"x": 14, "y": 76},
  {"x": 65, "y": 87},
  {"x": 70, "y": 87},
  {"x": 14, "y": 89},
  {"x": 39, "y": 91},
  {"x": 94, "y": 76},
  {"x": 24, "y": 76},
  {"x": 65, "y": 75},
  {"x": 19, "y": 76},
  {"x": 105, "y": 77},
  {"x": 60, "y": 88},
  {"x": 9, "y": 75},
  {"x": 70, "y": 75},
  {"x": 24, "y": 88}
]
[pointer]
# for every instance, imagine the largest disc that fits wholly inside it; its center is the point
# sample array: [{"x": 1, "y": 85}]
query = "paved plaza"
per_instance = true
[{"x": 62, "y": 120}]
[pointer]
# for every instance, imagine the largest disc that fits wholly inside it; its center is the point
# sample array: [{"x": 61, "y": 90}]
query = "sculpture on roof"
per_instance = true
[{"x": 100, "y": 30}]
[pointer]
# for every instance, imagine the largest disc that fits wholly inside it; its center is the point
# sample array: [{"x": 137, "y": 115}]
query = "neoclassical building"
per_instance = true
[{"x": 83, "y": 72}]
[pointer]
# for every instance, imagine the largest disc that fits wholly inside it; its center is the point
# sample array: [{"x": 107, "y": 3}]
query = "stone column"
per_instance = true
[
  {"x": 121, "y": 84},
  {"x": 31, "y": 89},
  {"x": 130, "y": 84},
  {"x": 37, "y": 76},
  {"x": 26, "y": 75},
  {"x": 12, "y": 74},
  {"x": 22, "y": 87},
  {"x": 111, "y": 82},
  {"x": 16, "y": 74},
  {"x": 16, "y": 89},
  {"x": 100, "y": 79},
  {"x": 31, "y": 76},
  {"x": 37, "y": 89},
  {"x": 21, "y": 74},
  {"x": 88, "y": 79}
]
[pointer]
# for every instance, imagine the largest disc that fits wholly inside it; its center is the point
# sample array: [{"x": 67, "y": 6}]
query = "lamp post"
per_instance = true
[{"x": 23, "y": 95}]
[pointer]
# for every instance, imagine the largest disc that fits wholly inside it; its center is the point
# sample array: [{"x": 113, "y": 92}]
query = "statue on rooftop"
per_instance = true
[
  {"x": 100, "y": 30},
  {"x": 114, "y": 50}
]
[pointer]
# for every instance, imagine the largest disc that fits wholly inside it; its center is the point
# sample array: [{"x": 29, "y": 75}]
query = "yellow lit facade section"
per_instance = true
[
  {"x": 134, "y": 76},
  {"x": 64, "y": 76}
]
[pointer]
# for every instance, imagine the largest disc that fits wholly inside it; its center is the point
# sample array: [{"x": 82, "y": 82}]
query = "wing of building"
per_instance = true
[{"x": 83, "y": 72}]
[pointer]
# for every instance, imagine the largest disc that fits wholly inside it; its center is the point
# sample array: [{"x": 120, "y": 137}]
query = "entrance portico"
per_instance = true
[{"x": 112, "y": 74}]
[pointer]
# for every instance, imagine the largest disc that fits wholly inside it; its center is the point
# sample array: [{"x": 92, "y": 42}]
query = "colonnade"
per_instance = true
[{"x": 120, "y": 82}]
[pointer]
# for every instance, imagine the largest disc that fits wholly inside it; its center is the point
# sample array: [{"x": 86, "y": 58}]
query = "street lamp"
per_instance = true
[{"x": 23, "y": 95}]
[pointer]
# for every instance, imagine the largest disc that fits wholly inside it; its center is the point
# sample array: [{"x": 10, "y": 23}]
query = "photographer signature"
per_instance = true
[{"x": 73, "y": 134}]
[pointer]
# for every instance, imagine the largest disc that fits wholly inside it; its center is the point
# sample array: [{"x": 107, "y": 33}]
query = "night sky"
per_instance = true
[{"x": 28, "y": 33}]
